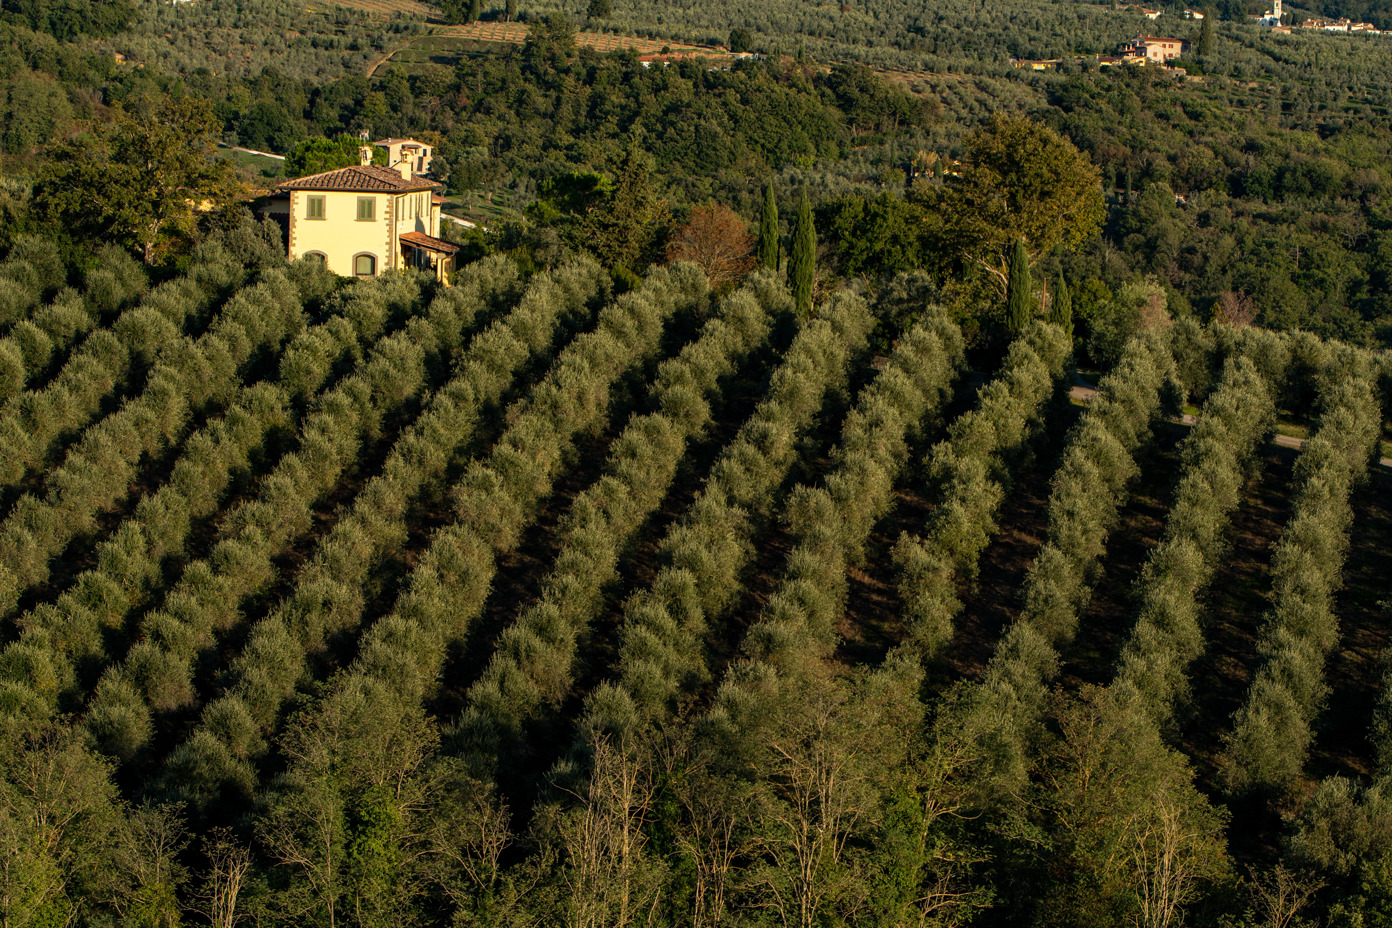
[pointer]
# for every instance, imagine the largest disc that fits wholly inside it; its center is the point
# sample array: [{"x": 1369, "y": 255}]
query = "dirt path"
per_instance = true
[
  {"x": 372, "y": 69},
  {"x": 1354, "y": 671},
  {"x": 1232, "y": 614},
  {"x": 1106, "y": 622}
]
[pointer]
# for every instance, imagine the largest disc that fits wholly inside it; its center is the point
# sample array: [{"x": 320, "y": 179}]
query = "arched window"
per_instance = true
[
  {"x": 364, "y": 266},
  {"x": 318, "y": 257}
]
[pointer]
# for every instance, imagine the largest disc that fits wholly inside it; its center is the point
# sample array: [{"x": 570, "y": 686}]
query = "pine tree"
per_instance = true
[
  {"x": 767, "y": 247},
  {"x": 1018, "y": 299},
  {"x": 511, "y": 10},
  {"x": 802, "y": 263},
  {"x": 1061, "y": 311},
  {"x": 623, "y": 231}
]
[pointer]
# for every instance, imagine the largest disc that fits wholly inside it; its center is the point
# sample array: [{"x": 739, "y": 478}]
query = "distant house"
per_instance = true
[
  {"x": 1192, "y": 14},
  {"x": 417, "y": 154},
  {"x": 1151, "y": 14},
  {"x": 1339, "y": 25},
  {"x": 1158, "y": 49},
  {"x": 365, "y": 219}
]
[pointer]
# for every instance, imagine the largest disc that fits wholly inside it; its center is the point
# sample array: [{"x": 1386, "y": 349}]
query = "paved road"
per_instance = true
[
  {"x": 251, "y": 151},
  {"x": 1084, "y": 393}
]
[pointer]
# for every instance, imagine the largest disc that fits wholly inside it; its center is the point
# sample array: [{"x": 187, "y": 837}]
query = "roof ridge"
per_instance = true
[{"x": 366, "y": 177}]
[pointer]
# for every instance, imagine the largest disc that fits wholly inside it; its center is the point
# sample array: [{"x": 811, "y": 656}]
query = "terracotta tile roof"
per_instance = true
[
  {"x": 395, "y": 141},
  {"x": 429, "y": 242},
  {"x": 370, "y": 178}
]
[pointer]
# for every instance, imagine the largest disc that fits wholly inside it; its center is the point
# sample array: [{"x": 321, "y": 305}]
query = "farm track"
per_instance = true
[
  {"x": 873, "y": 621},
  {"x": 1239, "y": 597},
  {"x": 993, "y": 599},
  {"x": 1354, "y": 672},
  {"x": 1107, "y": 620},
  {"x": 772, "y": 541}
]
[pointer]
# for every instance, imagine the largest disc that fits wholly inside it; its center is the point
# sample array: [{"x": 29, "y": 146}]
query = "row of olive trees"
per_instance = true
[
  {"x": 601, "y": 872},
  {"x": 1271, "y": 730},
  {"x": 331, "y": 592},
  {"x": 35, "y": 273},
  {"x": 830, "y": 524},
  {"x": 663, "y": 627},
  {"x": 970, "y": 470},
  {"x": 1160, "y": 845},
  {"x": 157, "y": 674},
  {"x": 1000, "y": 716},
  {"x": 533, "y": 664},
  {"x": 33, "y": 344},
  {"x": 376, "y": 704},
  {"x": 34, "y": 425},
  {"x": 1220, "y": 456},
  {"x": 130, "y": 564},
  {"x": 191, "y": 377}
]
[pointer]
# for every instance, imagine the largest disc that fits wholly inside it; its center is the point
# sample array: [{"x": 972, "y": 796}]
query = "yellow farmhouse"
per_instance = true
[{"x": 365, "y": 220}]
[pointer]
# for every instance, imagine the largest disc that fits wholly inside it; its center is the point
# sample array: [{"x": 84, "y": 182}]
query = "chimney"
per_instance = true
[
  {"x": 404, "y": 166},
  {"x": 365, "y": 155}
]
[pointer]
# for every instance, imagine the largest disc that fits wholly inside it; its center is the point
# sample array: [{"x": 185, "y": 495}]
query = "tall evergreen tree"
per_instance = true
[
  {"x": 475, "y": 10},
  {"x": 767, "y": 247},
  {"x": 1061, "y": 310},
  {"x": 802, "y": 263},
  {"x": 1206, "y": 33},
  {"x": 623, "y": 232},
  {"x": 1018, "y": 299}
]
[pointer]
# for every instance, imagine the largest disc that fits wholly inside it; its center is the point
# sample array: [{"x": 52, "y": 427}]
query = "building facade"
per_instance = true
[
  {"x": 364, "y": 220},
  {"x": 1157, "y": 49}
]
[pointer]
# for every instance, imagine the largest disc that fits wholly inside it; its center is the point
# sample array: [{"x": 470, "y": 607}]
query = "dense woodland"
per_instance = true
[{"x": 728, "y": 545}]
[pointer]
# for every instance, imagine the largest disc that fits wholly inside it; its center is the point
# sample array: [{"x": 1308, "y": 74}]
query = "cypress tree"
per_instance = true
[
  {"x": 802, "y": 262},
  {"x": 1061, "y": 312},
  {"x": 1206, "y": 33},
  {"x": 1018, "y": 310},
  {"x": 475, "y": 10},
  {"x": 767, "y": 247}
]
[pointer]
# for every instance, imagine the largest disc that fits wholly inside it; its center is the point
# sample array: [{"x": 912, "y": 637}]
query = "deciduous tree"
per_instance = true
[
  {"x": 1020, "y": 180},
  {"x": 313, "y": 156},
  {"x": 142, "y": 179},
  {"x": 716, "y": 240}
]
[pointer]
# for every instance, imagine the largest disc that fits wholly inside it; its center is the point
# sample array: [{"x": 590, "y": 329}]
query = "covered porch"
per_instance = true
[{"x": 428, "y": 253}]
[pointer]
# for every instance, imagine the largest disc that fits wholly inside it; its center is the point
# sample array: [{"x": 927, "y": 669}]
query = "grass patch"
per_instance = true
[{"x": 1292, "y": 429}]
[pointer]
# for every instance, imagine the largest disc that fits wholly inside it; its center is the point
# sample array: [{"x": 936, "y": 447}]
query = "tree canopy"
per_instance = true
[
  {"x": 1021, "y": 180},
  {"x": 142, "y": 178}
]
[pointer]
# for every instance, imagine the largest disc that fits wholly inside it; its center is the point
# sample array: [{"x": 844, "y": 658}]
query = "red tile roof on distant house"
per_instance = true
[
  {"x": 368, "y": 178},
  {"x": 429, "y": 242}
]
